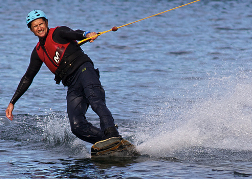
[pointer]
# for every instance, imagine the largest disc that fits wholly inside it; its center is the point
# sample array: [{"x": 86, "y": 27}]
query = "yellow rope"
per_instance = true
[{"x": 115, "y": 28}]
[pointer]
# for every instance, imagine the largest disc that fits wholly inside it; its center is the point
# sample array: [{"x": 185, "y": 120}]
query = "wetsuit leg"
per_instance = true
[
  {"x": 86, "y": 89},
  {"x": 77, "y": 105},
  {"x": 94, "y": 92}
]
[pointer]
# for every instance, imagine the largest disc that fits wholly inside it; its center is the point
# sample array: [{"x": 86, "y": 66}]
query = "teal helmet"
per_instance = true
[{"x": 33, "y": 15}]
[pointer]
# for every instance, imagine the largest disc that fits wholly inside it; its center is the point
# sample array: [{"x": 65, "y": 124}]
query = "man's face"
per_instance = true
[{"x": 39, "y": 27}]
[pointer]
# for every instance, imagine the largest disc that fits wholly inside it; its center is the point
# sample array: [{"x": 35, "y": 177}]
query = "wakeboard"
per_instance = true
[{"x": 114, "y": 147}]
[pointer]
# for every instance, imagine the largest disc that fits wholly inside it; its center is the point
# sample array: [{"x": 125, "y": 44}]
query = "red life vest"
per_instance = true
[{"x": 54, "y": 52}]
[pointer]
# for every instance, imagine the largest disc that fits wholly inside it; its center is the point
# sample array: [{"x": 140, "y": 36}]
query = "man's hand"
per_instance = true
[
  {"x": 93, "y": 35},
  {"x": 8, "y": 111}
]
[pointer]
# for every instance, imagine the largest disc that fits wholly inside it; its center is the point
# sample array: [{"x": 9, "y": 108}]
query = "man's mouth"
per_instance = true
[{"x": 41, "y": 31}]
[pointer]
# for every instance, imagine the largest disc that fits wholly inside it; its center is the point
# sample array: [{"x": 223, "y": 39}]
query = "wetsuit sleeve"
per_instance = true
[
  {"x": 64, "y": 34},
  {"x": 26, "y": 80}
]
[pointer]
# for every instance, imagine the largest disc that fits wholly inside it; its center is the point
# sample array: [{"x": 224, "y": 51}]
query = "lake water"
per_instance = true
[{"x": 179, "y": 86}]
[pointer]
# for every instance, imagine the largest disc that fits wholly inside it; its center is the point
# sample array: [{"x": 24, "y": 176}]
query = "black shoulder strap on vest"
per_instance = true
[{"x": 43, "y": 47}]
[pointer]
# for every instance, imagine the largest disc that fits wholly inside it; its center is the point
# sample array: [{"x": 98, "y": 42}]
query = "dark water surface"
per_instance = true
[{"x": 179, "y": 87}]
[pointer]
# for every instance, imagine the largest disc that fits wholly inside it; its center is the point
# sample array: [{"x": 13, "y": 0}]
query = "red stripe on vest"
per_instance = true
[{"x": 54, "y": 50}]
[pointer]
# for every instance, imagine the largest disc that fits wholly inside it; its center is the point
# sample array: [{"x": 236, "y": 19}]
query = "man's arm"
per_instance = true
[
  {"x": 64, "y": 34},
  {"x": 25, "y": 82}
]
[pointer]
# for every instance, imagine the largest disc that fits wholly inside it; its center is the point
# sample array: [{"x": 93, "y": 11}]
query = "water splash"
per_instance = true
[
  {"x": 221, "y": 121},
  {"x": 58, "y": 136}
]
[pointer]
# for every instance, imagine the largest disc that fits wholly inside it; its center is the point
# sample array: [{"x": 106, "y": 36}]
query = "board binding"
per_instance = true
[{"x": 114, "y": 147}]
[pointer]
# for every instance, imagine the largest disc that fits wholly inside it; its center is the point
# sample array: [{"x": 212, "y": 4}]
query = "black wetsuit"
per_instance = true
[{"x": 84, "y": 88}]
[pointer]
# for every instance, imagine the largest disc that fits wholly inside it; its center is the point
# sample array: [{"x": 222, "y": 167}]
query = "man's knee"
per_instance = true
[
  {"x": 93, "y": 92},
  {"x": 96, "y": 98}
]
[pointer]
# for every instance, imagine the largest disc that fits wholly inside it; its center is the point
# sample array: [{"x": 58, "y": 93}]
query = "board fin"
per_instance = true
[{"x": 114, "y": 146}]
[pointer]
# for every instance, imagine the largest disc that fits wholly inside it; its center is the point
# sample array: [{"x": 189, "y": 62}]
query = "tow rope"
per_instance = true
[{"x": 116, "y": 28}]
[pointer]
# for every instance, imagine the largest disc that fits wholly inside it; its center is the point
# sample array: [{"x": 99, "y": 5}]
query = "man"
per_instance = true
[{"x": 58, "y": 49}]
